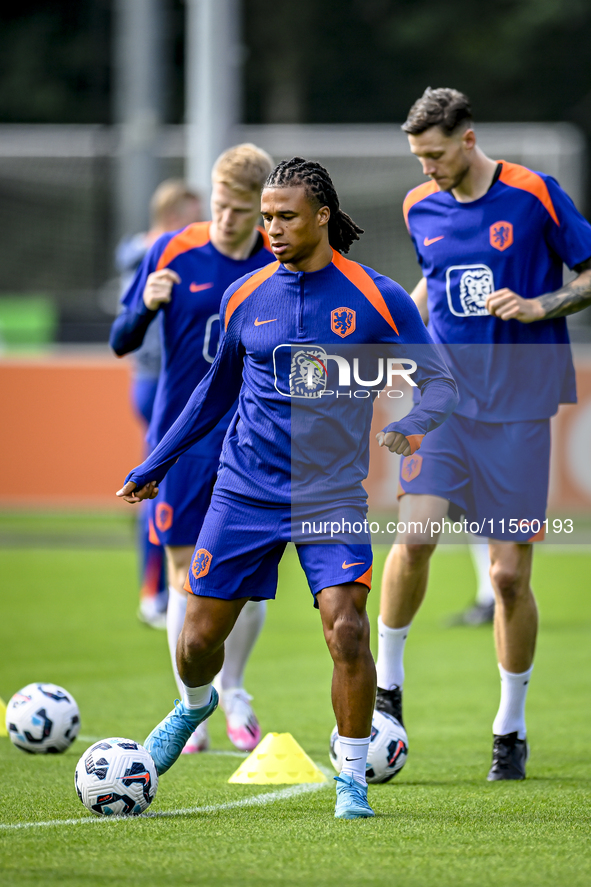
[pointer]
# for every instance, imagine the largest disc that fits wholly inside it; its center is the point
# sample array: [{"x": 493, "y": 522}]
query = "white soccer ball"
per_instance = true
[
  {"x": 388, "y": 749},
  {"x": 42, "y": 719},
  {"x": 116, "y": 777}
]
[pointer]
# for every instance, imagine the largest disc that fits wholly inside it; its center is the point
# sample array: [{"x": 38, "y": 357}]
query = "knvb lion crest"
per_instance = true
[
  {"x": 343, "y": 321},
  {"x": 201, "y": 563},
  {"x": 411, "y": 467},
  {"x": 475, "y": 285},
  {"x": 501, "y": 235},
  {"x": 308, "y": 373},
  {"x": 163, "y": 516}
]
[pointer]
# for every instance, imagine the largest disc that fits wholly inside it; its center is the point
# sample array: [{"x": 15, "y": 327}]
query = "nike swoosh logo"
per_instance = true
[
  {"x": 353, "y": 759},
  {"x": 429, "y": 240},
  {"x": 197, "y": 287},
  {"x": 358, "y": 564},
  {"x": 261, "y": 322}
]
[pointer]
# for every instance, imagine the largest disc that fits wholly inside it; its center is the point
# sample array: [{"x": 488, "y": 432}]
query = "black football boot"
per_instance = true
[
  {"x": 509, "y": 758},
  {"x": 390, "y": 702}
]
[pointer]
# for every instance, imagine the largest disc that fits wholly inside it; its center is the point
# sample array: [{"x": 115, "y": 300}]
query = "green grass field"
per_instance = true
[{"x": 67, "y": 614}]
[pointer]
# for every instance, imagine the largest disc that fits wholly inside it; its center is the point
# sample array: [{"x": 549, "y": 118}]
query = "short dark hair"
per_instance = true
[
  {"x": 446, "y": 108},
  {"x": 342, "y": 230}
]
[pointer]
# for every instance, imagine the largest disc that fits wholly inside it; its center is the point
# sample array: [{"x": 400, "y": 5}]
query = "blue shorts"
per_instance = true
[
  {"x": 240, "y": 546},
  {"x": 493, "y": 473},
  {"x": 177, "y": 513}
]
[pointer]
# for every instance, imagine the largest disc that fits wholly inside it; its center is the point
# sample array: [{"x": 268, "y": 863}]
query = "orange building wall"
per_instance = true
[{"x": 68, "y": 435}]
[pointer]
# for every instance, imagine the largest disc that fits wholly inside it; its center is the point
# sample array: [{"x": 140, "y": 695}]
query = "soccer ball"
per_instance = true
[
  {"x": 116, "y": 777},
  {"x": 42, "y": 719},
  {"x": 388, "y": 748}
]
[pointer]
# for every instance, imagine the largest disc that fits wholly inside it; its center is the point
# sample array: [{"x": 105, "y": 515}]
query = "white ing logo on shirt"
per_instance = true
[{"x": 467, "y": 288}]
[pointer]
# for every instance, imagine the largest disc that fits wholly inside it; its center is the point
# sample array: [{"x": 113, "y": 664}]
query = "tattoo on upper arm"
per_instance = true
[{"x": 573, "y": 297}]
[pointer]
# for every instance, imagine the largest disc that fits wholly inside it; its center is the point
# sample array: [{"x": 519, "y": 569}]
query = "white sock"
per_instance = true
[
  {"x": 240, "y": 643},
  {"x": 193, "y": 697},
  {"x": 485, "y": 595},
  {"x": 196, "y": 697},
  {"x": 354, "y": 756},
  {"x": 390, "y": 663},
  {"x": 175, "y": 616},
  {"x": 511, "y": 714}
]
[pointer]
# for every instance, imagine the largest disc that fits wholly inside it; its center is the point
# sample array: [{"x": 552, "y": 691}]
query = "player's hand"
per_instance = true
[
  {"x": 509, "y": 306},
  {"x": 159, "y": 287},
  {"x": 394, "y": 441},
  {"x": 131, "y": 494}
]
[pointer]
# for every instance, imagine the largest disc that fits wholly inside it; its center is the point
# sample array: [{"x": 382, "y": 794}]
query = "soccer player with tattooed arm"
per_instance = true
[
  {"x": 491, "y": 238},
  {"x": 280, "y": 317}
]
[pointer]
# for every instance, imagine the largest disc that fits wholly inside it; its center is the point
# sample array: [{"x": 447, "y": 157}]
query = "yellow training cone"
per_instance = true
[
  {"x": 277, "y": 760},
  {"x": 3, "y": 731}
]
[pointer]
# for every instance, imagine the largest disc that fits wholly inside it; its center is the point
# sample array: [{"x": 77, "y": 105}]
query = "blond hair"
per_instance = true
[
  {"x": 168, "y": 199},
  {"x": 243, "y": 168}
]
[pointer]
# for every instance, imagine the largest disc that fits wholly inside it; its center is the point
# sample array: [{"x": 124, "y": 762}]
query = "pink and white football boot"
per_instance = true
[
  {"x": 198, "y": 740},
  {"x": 242, "y": 725}
]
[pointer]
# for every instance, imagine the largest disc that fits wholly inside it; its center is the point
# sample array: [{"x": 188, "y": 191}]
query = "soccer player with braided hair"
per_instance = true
[
  {"x": 299, "y": 441},
  {"x": 342, "y": 230}
]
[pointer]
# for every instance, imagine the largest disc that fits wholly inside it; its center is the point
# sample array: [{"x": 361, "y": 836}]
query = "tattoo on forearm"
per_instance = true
[{"x": 569, "y": 299}]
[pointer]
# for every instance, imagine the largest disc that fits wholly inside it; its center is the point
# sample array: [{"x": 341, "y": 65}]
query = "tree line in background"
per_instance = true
[{"x": 320, "y": 61}]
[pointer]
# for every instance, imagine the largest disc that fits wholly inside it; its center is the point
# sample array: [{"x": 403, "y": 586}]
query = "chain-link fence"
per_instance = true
[{"x": 57, "y": 208}]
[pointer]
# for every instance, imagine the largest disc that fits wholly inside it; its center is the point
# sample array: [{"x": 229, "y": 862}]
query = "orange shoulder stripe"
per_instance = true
[
  {"x": 363, "y": 282},
  {"x": 191, "y": 237},
  {"x": 517, "y": 176},
  {"x": 416, "y": 195},
  {"x": 244, "y": 291}
]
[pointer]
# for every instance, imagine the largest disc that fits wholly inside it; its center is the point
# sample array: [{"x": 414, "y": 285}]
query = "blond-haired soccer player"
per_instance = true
[
  {"x": 183, "y": 278},
  {"x": 173, "y": 205}
]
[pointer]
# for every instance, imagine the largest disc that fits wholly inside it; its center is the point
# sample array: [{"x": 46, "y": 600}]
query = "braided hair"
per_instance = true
[{"x": 342, "y": 230}]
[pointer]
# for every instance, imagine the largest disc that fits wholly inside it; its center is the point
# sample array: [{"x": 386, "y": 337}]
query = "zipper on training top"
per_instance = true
[{"x": 301, "y": 308}]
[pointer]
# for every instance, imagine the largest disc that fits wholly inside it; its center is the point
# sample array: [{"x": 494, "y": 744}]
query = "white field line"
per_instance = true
[{"x": 283, "y": 794}]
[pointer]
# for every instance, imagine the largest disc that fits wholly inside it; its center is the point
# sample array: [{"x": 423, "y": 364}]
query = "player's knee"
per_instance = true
[
  {"x": 508, "y": 582},
  {"x": 348, "y": 636},
  {"x": 416, "y": 554},
  {"x": 196, "y": 644}
]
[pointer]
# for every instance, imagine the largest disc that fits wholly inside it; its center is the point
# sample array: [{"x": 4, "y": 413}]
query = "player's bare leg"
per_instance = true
[
  {"x": 516, "y": 627},
  {"x": 346, "y": 630},
  {"x": 242, "y": 724},
  {"x": 516, "y": 617},
  {"x": 200, "y": 656},
  {"x": 404, "y": 584},
  {"x": 200, "y": 650},
  {"x": 406, "y": 571}
]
